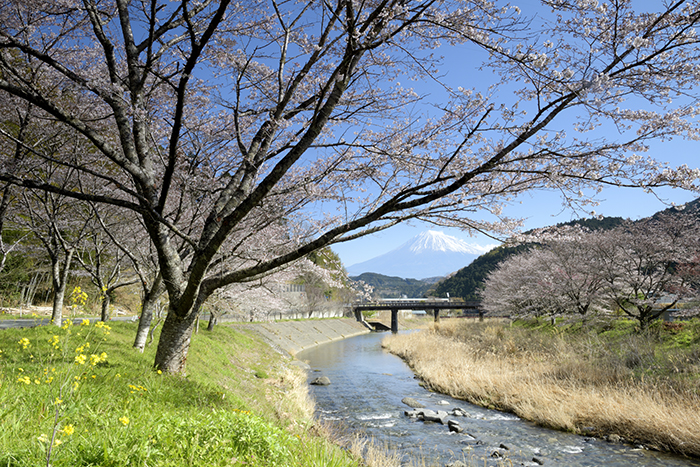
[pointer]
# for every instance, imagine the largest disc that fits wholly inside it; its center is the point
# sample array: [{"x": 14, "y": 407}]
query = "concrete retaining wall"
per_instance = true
[{"x": 294, "y": 336}]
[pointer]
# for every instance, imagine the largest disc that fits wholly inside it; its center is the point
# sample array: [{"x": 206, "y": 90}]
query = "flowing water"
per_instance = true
[{"x": 368, "y": 383}]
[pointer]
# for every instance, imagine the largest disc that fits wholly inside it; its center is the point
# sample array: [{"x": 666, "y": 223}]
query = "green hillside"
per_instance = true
[{"x": 394, "y": 287}]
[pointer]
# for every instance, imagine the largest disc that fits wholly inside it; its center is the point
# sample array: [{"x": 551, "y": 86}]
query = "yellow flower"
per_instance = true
[
  {"x": 78, "y": 297},
  {"x": 56, "y": 442},
  {"x": 80, "y": 359},
  {"x": 95, "y": 359},
  {"x": 68, "y": 430},
  {"x": 58, "y": 401},
  {"x": 54, "y": 342},
  {"x": 24, "y": 379},
  {"x": 85, "y": 322},
  {"x": 24, "y": 342},
  {"x": 75, "y": 385},
  {"x": 160, "y": 372},
  {"x": 43, "y": 438},
  {"x": 103, "y": 326},
  {"x": 124, "y": 420}
]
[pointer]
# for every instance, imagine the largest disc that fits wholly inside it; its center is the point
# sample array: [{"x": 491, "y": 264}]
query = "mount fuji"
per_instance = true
[{"x": 429, "y": 254}]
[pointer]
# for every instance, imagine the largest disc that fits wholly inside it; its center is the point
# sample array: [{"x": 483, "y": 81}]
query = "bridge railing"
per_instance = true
[{"x": 415, "y": 304}]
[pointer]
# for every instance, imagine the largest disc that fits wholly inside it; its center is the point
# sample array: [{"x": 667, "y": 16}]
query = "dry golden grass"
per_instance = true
[{"x": 550, "y": 383}]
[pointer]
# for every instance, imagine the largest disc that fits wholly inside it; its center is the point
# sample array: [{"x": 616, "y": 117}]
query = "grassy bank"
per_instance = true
[
  {"x": 602, "y": 380},
  {"x": 80, "y": 395}
]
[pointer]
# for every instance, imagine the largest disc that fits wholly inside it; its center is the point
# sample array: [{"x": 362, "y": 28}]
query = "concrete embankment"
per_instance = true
[{"x": 295, "y": 336}]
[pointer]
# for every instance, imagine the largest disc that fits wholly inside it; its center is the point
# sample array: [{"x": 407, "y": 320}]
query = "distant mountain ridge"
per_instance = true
[{"x": 429, "y": 254}]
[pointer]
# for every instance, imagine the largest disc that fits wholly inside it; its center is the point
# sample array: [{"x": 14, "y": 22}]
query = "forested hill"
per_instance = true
[
  {"x": 394, "y": 287},
  {"x": 692, "y": 206},
  {"x": 466, "y": 282}
]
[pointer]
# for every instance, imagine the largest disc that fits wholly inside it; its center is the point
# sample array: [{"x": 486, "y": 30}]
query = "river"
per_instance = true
[{"x": 368, "y": 384}]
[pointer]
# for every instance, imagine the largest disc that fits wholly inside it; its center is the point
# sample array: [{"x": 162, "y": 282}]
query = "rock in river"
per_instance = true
[
  {"x": 321, "y": 381},
  {"x": 411, "y": 402}
]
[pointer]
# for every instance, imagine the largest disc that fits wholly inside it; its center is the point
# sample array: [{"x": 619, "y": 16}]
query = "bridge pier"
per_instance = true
[
  {"x": 436, "y": 315},
  {"x": 394, "y": 320}
]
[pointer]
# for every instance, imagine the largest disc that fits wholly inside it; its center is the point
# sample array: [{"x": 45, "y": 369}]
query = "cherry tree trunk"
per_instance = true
[
  {"x": 59, "y": 280},
  {"x": 106, "y": 301},
  {"x": 150, "y": 300},
  {"x": 145, "y": 320},
  {"x": 212, "y": 322},
  {"x": 57, "y": 311},
  {"x": 174, "y": 342}
]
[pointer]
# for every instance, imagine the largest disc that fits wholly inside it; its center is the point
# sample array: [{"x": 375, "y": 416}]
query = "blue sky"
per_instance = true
[{"x": 539, "y": 209}]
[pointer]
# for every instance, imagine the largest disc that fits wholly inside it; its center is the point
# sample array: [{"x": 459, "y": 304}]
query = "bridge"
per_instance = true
[{"x": 468, "y": 307}]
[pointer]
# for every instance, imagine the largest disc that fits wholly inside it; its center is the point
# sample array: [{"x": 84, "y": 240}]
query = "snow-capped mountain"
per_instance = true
[{"x": 428, "y": 254}]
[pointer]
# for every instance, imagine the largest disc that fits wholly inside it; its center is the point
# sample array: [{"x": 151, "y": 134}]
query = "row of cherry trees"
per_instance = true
[
  {"x": 74, "y": 237},
  {"x": 641, "y": 268}
]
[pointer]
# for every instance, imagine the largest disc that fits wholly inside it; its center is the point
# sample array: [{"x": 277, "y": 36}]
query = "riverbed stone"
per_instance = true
[
  {"x": 459, "y": 412},
  {"x": 428, "y": 415},
  {"x": 454, "y": 427},
  {"x": 456, "y": 464},
  {"x": 537, "y": 461},
  {"x": 411, "y": 402},
  {"x": 436, "y": 417},
  {"x": 321, "y": 381}
]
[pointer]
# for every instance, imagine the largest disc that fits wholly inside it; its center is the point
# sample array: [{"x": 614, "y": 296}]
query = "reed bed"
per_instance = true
[{"x": 576, "y": 382}]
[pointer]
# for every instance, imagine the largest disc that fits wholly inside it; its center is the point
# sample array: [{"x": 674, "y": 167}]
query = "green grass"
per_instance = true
[{"x": 109, "y": 408}]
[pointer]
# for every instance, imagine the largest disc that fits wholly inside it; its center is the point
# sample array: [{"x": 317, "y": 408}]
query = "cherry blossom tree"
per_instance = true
[
  {"x": 101, "y": 257},
  {"x": 576, "y": 283},
  {"x": 639, "y": 264},
  {"x": 516, "y": 288},
  {"x": 48, "y": 216},
  {"x": 641, "y": 268},
  {"x": 131, "y": 240},
  {"x": 278, "y": 110}
]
